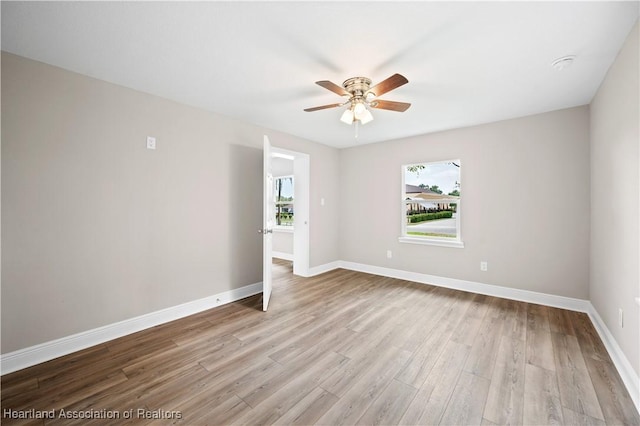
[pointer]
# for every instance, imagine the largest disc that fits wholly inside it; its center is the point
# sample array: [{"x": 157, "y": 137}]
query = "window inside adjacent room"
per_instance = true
[{"x": 283, "y": 196}]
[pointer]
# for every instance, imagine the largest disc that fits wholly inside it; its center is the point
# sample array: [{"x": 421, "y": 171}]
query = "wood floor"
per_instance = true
[{"x": 340, "y": 348}]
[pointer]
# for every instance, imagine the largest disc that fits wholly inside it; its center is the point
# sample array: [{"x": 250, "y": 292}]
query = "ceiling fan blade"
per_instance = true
[
  {"x": 333, "y": 87},
  {"x": 390, "y": 105},
  {"x": 322, "y": 107},
  {"x": 387, "y": 85}
]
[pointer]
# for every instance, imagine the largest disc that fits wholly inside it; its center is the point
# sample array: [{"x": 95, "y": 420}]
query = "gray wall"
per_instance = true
[
  {"x": 615, "y": 193},
  {"x": 98, "y": 229},
  {"x": 282, "y": 242},
  {"x": 524, "y": 207},
  {"x": 281, "y": 167}
]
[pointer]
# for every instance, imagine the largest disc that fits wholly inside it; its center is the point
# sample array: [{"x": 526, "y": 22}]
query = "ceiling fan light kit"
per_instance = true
[
  {"x": 347, "y": 116},
  {"x": 361, "y": 95}
]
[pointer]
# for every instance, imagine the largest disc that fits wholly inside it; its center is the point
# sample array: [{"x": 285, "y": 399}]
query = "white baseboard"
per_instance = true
[
  {"x": 317, "y": 270},
  {"x": 627, "y": 373},
  {"x": 282, "y": 255},
  {"x": 552, "y": 300},
  {"x": 37, "y": 354}
]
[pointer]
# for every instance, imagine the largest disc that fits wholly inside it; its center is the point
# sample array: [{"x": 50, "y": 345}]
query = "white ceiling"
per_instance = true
[{"x": 467, "y": 62}]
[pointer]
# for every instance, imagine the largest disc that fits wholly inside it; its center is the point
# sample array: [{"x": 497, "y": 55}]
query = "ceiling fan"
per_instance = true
[{"x": 361, "y": 95}]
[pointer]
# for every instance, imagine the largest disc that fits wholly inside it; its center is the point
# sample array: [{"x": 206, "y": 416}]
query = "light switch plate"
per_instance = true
[{"x": 151, "y": 142}]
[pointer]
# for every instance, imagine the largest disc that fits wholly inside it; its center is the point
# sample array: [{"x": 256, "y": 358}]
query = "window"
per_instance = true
[
  {"x": 283, "y": 196},
  {"x": 431, "y": 203}
]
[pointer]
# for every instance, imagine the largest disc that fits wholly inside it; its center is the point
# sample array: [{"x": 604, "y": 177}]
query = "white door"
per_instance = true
[{"x": 268, "y": 217}]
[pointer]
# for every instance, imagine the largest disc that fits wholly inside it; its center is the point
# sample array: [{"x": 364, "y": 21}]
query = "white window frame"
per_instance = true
[
  {"x": 284, "y": 228},
  {"x": 429, "y": 240}
]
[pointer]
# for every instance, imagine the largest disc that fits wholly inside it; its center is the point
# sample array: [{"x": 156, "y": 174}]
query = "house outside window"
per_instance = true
[
  {"x": 431, "y": 203},
  {"x": 283, "y": 196}
]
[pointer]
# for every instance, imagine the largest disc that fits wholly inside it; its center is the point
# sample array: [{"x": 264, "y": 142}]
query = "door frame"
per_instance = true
[{"x": 267, "y": 223}]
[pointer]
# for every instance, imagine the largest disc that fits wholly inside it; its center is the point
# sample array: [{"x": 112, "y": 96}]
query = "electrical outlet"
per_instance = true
[
  {"x": 484, "y": 266},
  {"x": 621, "y": 317},
  {"x": 389, "y": 254}
]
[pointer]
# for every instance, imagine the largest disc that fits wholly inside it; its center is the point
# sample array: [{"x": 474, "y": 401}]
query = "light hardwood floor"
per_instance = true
[{"x": 341, "y": 348}]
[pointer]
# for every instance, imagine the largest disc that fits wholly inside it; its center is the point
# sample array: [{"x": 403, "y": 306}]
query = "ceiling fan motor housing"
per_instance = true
[{"x": 357, "y": 86}]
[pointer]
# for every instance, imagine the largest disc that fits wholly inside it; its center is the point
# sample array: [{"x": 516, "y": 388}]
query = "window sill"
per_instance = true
[
  {"x": 432, "y": 242},
  {"x": 285, "y": 229}
]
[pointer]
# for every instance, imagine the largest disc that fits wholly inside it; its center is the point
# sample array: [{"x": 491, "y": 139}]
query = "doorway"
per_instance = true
[{"x": 299, "y": 171}]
